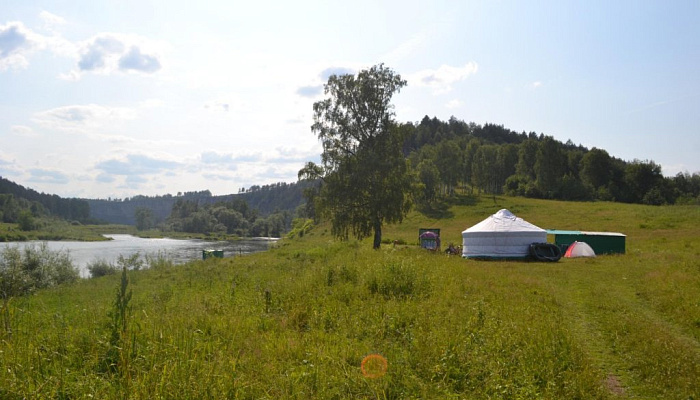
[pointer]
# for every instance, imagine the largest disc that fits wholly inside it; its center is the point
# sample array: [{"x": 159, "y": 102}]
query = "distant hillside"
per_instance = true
[
  {"x": 266, "y": 199},
  {"x": 494, "y": 160},
  {"x": 14, "y": 198}
]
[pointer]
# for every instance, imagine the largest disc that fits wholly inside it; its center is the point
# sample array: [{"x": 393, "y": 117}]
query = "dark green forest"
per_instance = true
[
  {"x": 492, "y": 159},
  {"x": 265, "y": 199},
  {"x": 266, "y": 210},
  {"x": 232, "y": 217},
  {"x": 16, "y": 199}
]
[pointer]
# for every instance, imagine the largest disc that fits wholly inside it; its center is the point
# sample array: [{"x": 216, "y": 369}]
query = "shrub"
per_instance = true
[
  {"x": 34, "y": 267},
  {"x": 133, "y": 262},
  {"x": 101, "y": 267},
  {"x": 159, "y": 260}
]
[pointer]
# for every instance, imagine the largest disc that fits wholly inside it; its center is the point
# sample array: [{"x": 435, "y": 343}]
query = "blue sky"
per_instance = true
[{"x": 111, "y": 98}]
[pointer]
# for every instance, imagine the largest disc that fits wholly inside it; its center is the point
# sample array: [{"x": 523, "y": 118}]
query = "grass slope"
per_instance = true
[{"x": 296, "y": 322}]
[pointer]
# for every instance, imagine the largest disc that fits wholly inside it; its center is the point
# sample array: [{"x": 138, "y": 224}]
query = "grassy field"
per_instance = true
[{"x": 298, "y": 321}]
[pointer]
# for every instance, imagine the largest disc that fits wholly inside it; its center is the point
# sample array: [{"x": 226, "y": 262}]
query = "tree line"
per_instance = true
[
  {"x": 232, "y": 217},
  {"x": 492, "y": 159},
  {"x": 266, "y": 199},
  {"x": 17, "y": 201}
]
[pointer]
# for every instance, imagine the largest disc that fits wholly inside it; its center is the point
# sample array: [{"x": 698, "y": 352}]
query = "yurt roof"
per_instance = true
[{"x": 504, "y": 221}]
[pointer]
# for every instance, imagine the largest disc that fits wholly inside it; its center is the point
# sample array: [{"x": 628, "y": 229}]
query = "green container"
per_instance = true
[
  {"x": 212, "y": 254},
  {"x": 600, "y": 242}
]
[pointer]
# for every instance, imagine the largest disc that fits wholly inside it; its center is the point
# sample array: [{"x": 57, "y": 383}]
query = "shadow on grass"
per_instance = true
[
  {"x": 436, "y": 210},
  {"x": 464, "y": 199}
]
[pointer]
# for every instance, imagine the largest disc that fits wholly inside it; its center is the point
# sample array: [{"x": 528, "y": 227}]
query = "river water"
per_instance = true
[{"x": 179, "y": 251}]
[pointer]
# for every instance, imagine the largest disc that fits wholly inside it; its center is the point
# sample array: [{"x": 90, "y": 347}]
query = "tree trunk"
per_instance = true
[{"x": 377, "y": 234}]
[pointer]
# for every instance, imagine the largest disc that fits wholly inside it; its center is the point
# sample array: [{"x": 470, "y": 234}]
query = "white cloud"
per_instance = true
[
  {"x": 229, "y": 159},
  {"x": 136, "y": 61},
  {"x": 536, "y": 84},
  {"x": 227, "y": 103},
  {"x": 109, "y": 53},
  {"x": 442, "y": 80},
  {"x": 51, "y": 176},
  {"x": 78, "y": 117},
  {"x": 16, "y": 43},
  {"x": 454, "y": 103},
  {"x": 51, "y": 21},
  {"x": 24, "y": 131},
  {"x": 408, "y": 47},
  {"x": 133, "y": 165}
]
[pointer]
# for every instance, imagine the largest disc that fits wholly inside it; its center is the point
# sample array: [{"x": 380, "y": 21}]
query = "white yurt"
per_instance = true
[{"x": 502, "y": 235}]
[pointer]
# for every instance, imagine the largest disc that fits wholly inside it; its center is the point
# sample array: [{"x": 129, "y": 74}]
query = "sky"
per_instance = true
[{"x": 115, "y": 98}]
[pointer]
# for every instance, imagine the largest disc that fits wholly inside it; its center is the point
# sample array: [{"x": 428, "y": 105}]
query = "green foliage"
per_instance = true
[
  {"x": 26, "y": 220},
  {"x": 300, "y": 227},
  {"x": 14, "y": 198},
  {"x": 132, "y": 262},
  {"x": 101, "y": 267},
  {"x": 234, "y": 217},
  {"x": 495, "y": 160},
  {"x": 366, "y": 180},
  {"x": 120, "y": 349},
  {"x": 429, "y": 177},
  {"x": 145, "y": 219},
  {"x": 35, "y": 267}
]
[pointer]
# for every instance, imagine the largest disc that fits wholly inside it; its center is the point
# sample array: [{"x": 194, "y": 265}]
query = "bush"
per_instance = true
[
  {"x": 159, "y": 261},
  {"x": 101, "y": 267},
  {"x": 34, "y": 267},
  {"x": 133, "y": 262}
]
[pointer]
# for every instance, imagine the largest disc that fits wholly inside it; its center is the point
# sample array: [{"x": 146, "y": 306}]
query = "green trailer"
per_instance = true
[
  {"x": 601, "y": 242},
  {"x": 212, "y": 254}
]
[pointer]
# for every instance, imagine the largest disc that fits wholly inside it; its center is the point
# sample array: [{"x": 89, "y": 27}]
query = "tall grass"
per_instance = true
[{"x": 297, "y": 321}]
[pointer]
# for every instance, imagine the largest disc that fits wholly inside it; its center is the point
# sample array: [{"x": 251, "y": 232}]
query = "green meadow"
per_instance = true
[{"x": 297, "y": 321}]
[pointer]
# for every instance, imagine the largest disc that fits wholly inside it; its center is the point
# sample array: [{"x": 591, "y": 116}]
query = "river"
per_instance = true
[{"x": 179, "y": 251}]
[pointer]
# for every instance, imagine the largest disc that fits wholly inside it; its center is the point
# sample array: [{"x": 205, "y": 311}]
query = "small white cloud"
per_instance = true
[
  {"x": 408, "y": 47},
  {"x": 135, "y": 165},
  {"x": 212, "y": 157},
  {"x": 227, "y": 103},
  {"x": 51, "y": 21},
  {"x": 107, "y": 53},
  {"x": 82, "y": 116},
  {"x": 536, "y": 84},
  {"x": 16, "y": 43},
  {"x": 137, "y": 61},
  {"x": 24, "y": 131},
  {"x": 40, "y": 175},
  {"x": 441, "y": 80},
  {"x": 454, "y": 103}
]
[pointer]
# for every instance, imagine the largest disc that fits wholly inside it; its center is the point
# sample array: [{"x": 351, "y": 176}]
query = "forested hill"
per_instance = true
[
  {"x": 16, "y": 198},
  {"x": 266, "y": 199},
  {"x": 492, "y": 159}
]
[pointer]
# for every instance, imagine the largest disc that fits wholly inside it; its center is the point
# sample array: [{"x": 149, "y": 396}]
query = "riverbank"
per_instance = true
[{"x": 65, "y": 231}]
